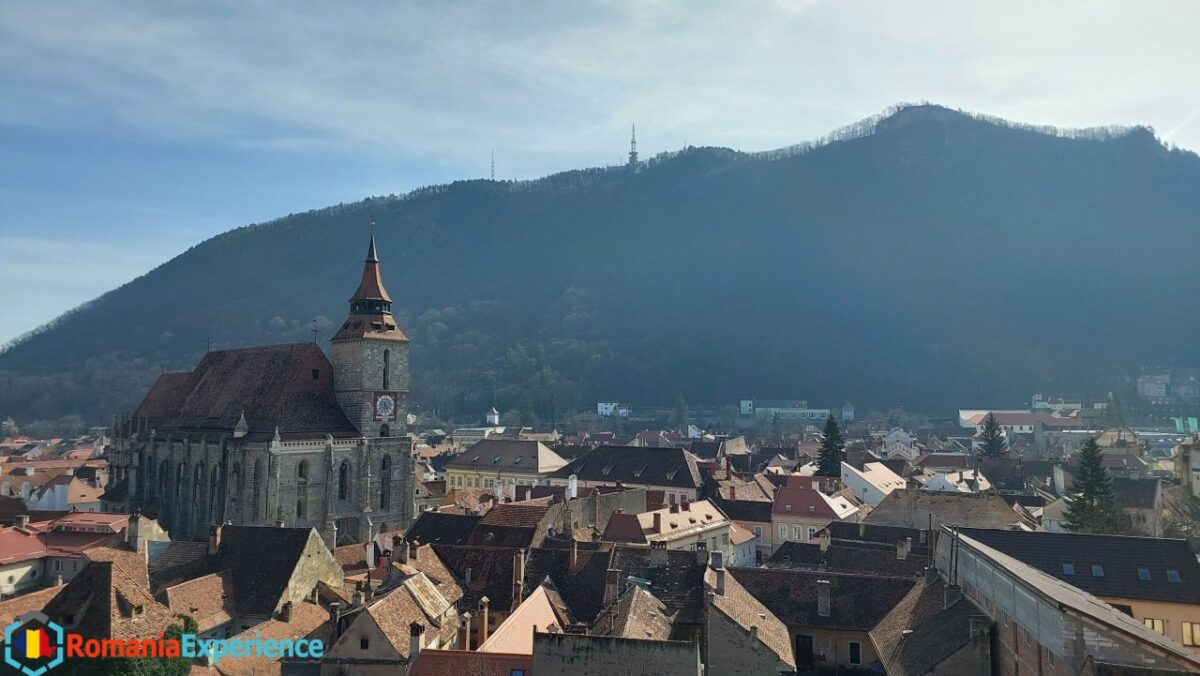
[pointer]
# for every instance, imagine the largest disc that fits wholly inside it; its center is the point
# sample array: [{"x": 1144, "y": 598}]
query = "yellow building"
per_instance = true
[{"x": 504, "y": 461}]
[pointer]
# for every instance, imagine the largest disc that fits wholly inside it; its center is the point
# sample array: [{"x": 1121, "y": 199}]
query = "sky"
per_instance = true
[{"x": 130, "y": 131}]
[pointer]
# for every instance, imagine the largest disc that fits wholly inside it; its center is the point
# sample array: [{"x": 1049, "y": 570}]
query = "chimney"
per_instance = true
[
  {"x": 285, "y": 612},
  {"x": 572, "y": 487},
  {"x": 214, "y": 538},
  {"x": 733, "y": 492},
  {"x": 335, "y": 614},
  {"x": 753, "y": 632},
  {"x": 23, "y": 521},
  {"x": 467, "y": 578},
  {"x": 400, "y": 547},
  {"x": 528, "y": 494},
  {"x": 862, "y": 529},
  {"x": 414, "y": 550},
  {"x": 702, "y": 552},
  {"x": 657, "y": 522},
  {"x": 464, "y": 632},
  {"x": 483, "y": 620},
  {"x": 824, "y": 539},
  {"x": 512, "y": 490},
  {"x": 902, "y": 548},
  {"x": 356, "y": 599},
  {"x": 717, "y": 563},
  {"x": 518, "y": 578},
  {"x": 823, "y": 600},
  {"x": 684, "y": 504},
  {"x": 416, "y": 640},
  {"x": 612, "y": 582},
  {"x": 952, "y": 593},
  {"x": 574, "y": 554}
]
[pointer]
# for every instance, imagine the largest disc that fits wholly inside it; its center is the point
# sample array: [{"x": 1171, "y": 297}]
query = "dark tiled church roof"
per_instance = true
[
  {"x": 261, "y": 561},
  {"x": 289, "y": 386}
]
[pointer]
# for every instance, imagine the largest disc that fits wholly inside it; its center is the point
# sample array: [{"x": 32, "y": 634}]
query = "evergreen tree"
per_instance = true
[
  {"x": 829, "y": 462},
  {"x": 992, "y": 437},
  {"x": 1091, "y": 502},
  {"x": 681, "y": 415}
]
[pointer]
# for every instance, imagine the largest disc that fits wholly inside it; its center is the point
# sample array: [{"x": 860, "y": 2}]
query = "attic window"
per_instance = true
[
  {"x": 364, "y": 643},
  {"x": 1097, "y": 570},
  {"x": 518, "y": 460},
  {"x": 316, "y": 374},
  {"x": 496, "y": 460},
  {"x": 606, "y": 470},
  {"x": 1143, "y": 574},
  {"x": 638, "y": 472},
  {"x": 390, "y": 327},
  {"x": 1173, "y": 576},
  {"x": 358, "y": 325},
  {"x": 1068, "y": 569},
  {"x": 378, "y": 326}
]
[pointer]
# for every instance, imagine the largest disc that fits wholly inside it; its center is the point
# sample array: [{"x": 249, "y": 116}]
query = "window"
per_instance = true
[
  {"x": 385, "y": 482},
  {"x": 385, "y": 431},
  {"x": 796, "y": 533},
  {"x": 1173, "y": 576},
  {"x": 300, "y": 508},
  {"x": 1191, "y": 633},
  {"x": 387, "y": 363},
  {"x": 812, "y": 533},
  {"x": 782, "y": 532},
  {"x": 1097, "y": 570},
  {"x": 855, "y": 653},
  {"x": 758, "y": 531},
  {"x": 364, "y": 643},
  {"x": 1152, "y": 624},
  {"x": 1143, "y": 574},
  {"x": 344, "y": 481},
  {"x": 302, "y": 470},
  {"x": 1068, "y": 569},
  {"x": 316, "y": 373}
]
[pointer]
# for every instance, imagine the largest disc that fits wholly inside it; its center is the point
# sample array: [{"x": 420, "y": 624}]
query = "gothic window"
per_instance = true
[
  {"x": 301, "y": 508},
  {"x": 344, "y": 481},
  {"x": 385, "y": 431},
  {"x": 302, "y": 470},
  {"x": 216, "y": 497},
  {"x": 255, "y": 489},
  {"x": 385, "y": 483},
  {"x": 236, "y": 480},
  {"x": 164, "y": 475},
  {"x": 387, "y": 362}
]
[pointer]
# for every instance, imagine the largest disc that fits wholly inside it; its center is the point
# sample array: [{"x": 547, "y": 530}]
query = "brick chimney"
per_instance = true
[
  {"x": 717, "y": 563},
  {"x": 416, "y": 641},
  {"x": 464, "y": 632},
  {"x": 214, "y": 538},
  {"x": 657, "y": 522},
  {"x": 414, "y": 550},
  {"x": 612, "y": 583},
  {"x": 483, "y": 619},
  {"x": 23, "y": 521},
  {"x": 518, "y": 578},
  {"x": 335, "y": 615},
  {"x": 285, "y": 612}
]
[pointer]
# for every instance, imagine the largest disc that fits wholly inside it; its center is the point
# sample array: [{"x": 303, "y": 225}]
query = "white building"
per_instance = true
[
  {"x": 613, "y": 409},
  {"x": 873, "y": 482},
  {"x": 957, "y": 481},
  {"x": 899, "y": 444}
]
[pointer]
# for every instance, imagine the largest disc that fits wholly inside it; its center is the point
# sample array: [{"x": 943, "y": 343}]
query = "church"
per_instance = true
[{"x": 279, "y": 434}]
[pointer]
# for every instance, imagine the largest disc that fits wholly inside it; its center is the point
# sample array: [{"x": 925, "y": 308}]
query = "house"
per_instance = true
[
  {"x": 208, "y": 600},
  {"x": 306, "y": 620},
  {"x": 608, "y": 409},
  {"x": 391, "y": 631},
  {"x": 902, "y": 558},
  {"x": 828, "y": 615},
  {"x": 918, "y": 509},
  {"x": 873, "y": 482},
  {"x": 1187, "y": 466},
  {"x": 752, "y": 516},
  {"x": 671, "y": 470},
  {"x": 637, "y": 614},
  {"x": 1154, "y": 580},
  {"x": 958, "y": 481},
  {"x": 742, "y": 635},
  {"x": 1142, "y": 502},
  {"x": 65, "y": 493},
  {"x": 798, "y": 512},
  {"x": 1045, "y": 623},
  {"x": 270, "y": 568},
  {"x": 537, "y": 612},
  {"x": 502, "y": 461},
  {"x": 899, "y": 444},
  {"x": 743, "y": 546},
  {"x": 687, "y": 526},
  {"x": 105, "y": 602},
  {"x": 933, "y": 630}
]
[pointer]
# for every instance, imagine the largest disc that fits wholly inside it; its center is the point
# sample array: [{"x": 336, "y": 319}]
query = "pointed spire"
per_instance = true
[
  {"x": 633, "y": 153},
  {"x": 372, "y": 256}
]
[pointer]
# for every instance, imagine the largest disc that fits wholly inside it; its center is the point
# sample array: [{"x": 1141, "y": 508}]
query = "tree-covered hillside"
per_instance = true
[{"x": 926, "y": 258}]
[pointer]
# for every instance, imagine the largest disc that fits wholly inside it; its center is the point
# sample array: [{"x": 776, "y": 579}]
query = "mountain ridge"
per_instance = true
[{"x": 662, "y": 250}]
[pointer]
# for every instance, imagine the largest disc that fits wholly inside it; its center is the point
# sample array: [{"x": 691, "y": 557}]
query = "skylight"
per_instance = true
[
  {"x": 1173, "y": 576},
  {"x": 1143, "y": 574},
  {"x": 1097, "y": 570},
  {"x": 1068, "y": 569}
]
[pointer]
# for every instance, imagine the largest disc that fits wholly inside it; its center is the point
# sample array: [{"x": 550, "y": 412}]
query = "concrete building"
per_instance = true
[
  {"x": 783, "y": 410},
  {"x": 279, "y": 434},
  {"x": 1046, "y": 626}
]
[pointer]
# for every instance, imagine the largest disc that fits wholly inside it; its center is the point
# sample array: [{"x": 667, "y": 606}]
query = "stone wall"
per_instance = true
[{"x": 573, "y": 655}]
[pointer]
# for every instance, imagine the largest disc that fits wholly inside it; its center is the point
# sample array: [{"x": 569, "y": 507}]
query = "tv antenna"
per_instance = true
[{"x": 493, "y": 164}]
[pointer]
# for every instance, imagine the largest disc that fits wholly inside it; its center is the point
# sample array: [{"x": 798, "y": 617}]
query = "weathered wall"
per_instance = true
[{"x": 570, "y": 655}]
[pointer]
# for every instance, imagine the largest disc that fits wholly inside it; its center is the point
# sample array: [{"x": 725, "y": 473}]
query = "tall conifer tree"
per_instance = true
[
  {"x": 992, "y": 437},
  {"x": 1091, "y": 502},
  {"x": 829, "y": 462}
]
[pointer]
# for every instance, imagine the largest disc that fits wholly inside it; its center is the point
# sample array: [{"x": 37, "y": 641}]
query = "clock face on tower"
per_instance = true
[{"x": 385, "y": 406}]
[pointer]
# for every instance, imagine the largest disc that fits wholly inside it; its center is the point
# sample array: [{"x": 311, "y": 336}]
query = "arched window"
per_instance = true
[
  {"x": 302, "y": 470},
  {"x": 255, "y": 489},
  {"x": 236, "y": 496},
  {"x": 216, "y": 498},
  {"x": 387, "y": 364},
  {"x": 164, "y": 475},
  {"x": 385, "y": 482},
  {"x": 385, "y": 431},
  {"x": 344, "y": 481},
  {"x": 301, "y": 509}
]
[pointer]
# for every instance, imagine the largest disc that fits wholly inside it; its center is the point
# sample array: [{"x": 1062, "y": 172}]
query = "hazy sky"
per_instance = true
[{"x": 130, "y": 131}]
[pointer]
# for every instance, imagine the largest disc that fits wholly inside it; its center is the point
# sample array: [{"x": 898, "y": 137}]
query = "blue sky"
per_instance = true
[{"x": 130, "y": 131}]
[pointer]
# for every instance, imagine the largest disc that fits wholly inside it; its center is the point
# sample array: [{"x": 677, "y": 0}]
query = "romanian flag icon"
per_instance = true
[{"x": 32, "y": 644}]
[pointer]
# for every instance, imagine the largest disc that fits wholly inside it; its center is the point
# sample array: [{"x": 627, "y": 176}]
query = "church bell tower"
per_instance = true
[{"x": 370, "y": 358}]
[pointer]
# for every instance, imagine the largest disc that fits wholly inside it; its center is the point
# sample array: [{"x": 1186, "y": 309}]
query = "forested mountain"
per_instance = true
[{"x": 924, "y": 257}]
